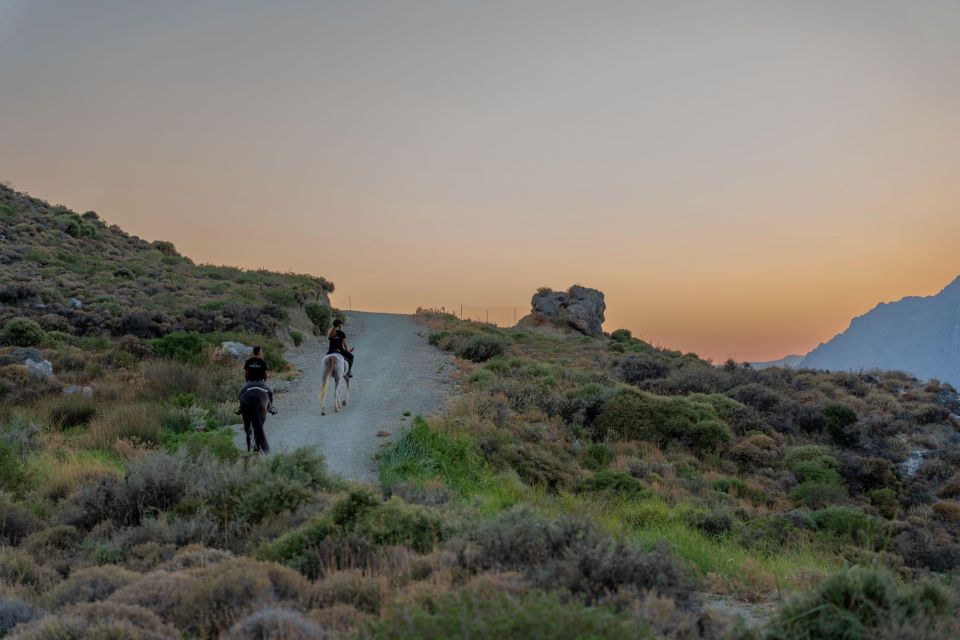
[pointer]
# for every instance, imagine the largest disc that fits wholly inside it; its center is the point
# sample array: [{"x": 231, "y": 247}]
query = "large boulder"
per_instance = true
[
  {"x": 40, "y": 370},
  {"x": 579, "y": 308}
]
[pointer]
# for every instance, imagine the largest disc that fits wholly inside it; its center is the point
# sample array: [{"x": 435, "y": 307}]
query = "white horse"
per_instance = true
[{"x": 334, "y": 365}]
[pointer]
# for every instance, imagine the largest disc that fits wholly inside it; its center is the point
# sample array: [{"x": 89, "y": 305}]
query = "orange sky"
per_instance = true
[{"x": 740, "y": 178}]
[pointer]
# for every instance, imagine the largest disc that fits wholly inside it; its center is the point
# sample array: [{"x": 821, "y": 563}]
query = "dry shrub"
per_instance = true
[
  {"x": 19, "y": 569},
  {"x": 114, "y": 388},
  {"x": 751, "y": 584},
  {"x": 669, "y": 621},
  {"x": 91, "y": 584},
  {"x": 206, "y": 601},
  {"x": 339, "y": 618},
  {"x": 159, "y": 592},
  {"x": 61, "y": 477},
  {"x": 98, "y": 621},
  {"x": 16, "y": 523},
  {"x": 164, "y": 378},
  {"x": 947, "y": 510},
  {"x": 196, "y": 555},
  {"x": 276, "y": 624},
  {"x": 951, "y": 489},
  {"x": 139, "y": 422},
  {"x": 756, "y": 451},
  {"x": 492, "y": 583},
  {"x": 224, "y": 591},
  {"x": 57, "y": 547},
  {"x": 352, "y": 587}
]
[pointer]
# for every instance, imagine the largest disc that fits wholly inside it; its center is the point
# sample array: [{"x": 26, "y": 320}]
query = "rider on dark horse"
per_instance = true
[
  {"x": 338, "y": 344},
  {"x": 255, "y": 375}
]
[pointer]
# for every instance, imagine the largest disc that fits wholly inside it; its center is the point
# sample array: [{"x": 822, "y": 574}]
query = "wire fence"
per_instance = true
[{"x": 499, "y": 316}]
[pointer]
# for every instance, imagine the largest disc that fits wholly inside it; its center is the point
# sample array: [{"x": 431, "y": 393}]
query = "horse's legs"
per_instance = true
[
  {"x": 336, "y": 392},
  {"x": 246, "y": 428},
  {"x": 259, "y": 435},
  {"x": 323, "y": 392}
]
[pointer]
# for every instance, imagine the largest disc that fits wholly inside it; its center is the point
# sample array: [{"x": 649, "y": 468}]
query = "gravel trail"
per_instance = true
[{"x": 396, "y": 372}]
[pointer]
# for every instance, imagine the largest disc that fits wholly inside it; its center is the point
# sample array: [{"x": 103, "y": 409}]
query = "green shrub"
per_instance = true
[
  {"x": 621, "y": 335},
  {"x": 362, "y": 516},
  {"x": 482, "y": 347},
  {"x": 812, "y": 463},
  {"x": 611, "y": 483},
  {"x": 839, "y": 420},
  {"x": 22, "y": 332},
  {"x": 297, "y": 338},
  {"x": 425, "y": 453},
  {"x": 467, "y": 616},
  {"x": 817, "y": 494},
  {"x": 863, "y": 604},
  {"x": 886, "y": 502},
  {"x": 14, "y": 474},
  {"x": 184, "y": 346},
  {"x": 583, "y": 404},
  {"x": 321, "y": 315},
  {"x": 219, "y": 443},
  {"x": 848, "y": 525},
  {"x": 636, "y": 415},
  {"x": 436, "y": 337},
  {"x": 597, "y": 456}
]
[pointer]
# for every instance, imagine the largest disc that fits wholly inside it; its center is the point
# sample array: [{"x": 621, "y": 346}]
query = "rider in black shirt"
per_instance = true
[
  {"x": 255, "y": 375},
  {"x": 338, "y": 344}
]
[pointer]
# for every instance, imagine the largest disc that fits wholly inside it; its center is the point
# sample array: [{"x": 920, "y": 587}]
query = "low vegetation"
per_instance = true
[{"x": 575, "y": 488}]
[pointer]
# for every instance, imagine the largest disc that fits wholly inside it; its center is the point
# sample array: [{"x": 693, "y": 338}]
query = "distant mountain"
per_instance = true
[{"x": 920, "y": 335}]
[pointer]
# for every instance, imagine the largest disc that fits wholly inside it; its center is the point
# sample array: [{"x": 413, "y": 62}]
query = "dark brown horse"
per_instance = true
[{"x": 253, "y": 407}]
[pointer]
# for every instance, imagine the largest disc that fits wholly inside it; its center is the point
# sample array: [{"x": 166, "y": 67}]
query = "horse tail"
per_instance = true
[
  {"x": 259, "y": 436},
  {"x": 327, "y": 372}
]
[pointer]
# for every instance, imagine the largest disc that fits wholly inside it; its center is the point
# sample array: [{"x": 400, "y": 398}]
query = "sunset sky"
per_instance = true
[{"x": 739, "y": 178}]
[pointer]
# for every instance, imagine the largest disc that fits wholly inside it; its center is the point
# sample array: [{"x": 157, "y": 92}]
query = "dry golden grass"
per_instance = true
[
  {"x": 60, "y": 473},
  {"x": 139, "y": 422}
]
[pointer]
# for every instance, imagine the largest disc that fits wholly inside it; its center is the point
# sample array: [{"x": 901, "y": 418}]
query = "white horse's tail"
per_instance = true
[
  {"x": 328, "y": 368},
  {"x": 333, "y": 366}
]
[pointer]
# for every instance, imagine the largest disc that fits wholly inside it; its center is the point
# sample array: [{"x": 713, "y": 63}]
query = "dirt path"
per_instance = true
[{"x": 396, "y": 372}]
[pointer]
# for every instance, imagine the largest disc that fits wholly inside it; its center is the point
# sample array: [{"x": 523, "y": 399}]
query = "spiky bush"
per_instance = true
[{"x": 862, "y": 604}]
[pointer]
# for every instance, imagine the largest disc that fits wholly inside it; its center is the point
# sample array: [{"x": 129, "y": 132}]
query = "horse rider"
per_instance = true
[
  {"x": 255, "y": 375},
  {"x": 338, "y": 344}
]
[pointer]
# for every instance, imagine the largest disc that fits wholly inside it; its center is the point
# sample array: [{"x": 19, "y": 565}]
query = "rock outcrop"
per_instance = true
[
  {"x": 578, "y": 308},
  {"x": 236, "y": 349}
]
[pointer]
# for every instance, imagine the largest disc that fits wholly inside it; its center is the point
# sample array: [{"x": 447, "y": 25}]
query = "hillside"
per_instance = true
[
  {"x": 75, "y": 273},
  {"x": 916, "y": 334},
  {"x": 575, "y": 486}
]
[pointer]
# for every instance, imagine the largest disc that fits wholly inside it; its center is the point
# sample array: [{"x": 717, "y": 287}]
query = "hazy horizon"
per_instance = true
[{"x": 739, "y": 179}]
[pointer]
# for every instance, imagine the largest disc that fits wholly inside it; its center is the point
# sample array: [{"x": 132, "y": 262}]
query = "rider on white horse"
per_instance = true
[{"x": 338, "y": 344}]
